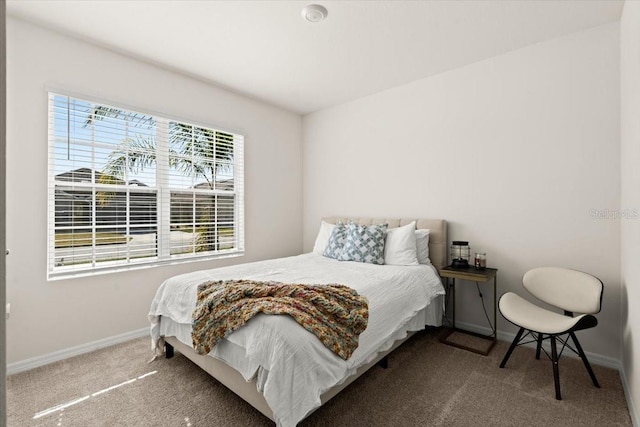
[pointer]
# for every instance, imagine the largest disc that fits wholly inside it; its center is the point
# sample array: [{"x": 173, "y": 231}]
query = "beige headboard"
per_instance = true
[{"x": 437, "y": 234}]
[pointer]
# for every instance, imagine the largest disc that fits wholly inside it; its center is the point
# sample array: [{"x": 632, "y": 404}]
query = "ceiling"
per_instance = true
[{"x": 265, "y": 49}]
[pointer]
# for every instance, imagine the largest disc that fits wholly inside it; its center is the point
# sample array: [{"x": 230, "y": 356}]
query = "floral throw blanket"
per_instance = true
[{"x": 335, "y": 313}]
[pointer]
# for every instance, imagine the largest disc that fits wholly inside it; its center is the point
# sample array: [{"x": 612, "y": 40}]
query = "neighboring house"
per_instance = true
[
  {"x": 73, "y": 206},
  {"x": 183, "y": 209}
]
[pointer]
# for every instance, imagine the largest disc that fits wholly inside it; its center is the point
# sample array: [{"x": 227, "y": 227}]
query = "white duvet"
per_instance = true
[{"x": 292, "y": 367}]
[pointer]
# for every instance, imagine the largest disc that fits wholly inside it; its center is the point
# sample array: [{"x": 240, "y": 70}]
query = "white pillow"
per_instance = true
[
  {"x": 323, "y": 237},
  {"x": 400, "y": 245},
  {"x": 422, "y": 245}
]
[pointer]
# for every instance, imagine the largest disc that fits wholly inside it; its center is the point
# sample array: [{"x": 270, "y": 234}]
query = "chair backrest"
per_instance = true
[{"x": 570, "y": 290}]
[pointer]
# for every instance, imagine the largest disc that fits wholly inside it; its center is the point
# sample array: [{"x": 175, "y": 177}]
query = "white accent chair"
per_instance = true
[{"x": 569, "y": 290}]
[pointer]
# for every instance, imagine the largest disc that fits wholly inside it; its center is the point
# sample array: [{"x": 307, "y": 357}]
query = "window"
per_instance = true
[{"x": 128, "y": 189}]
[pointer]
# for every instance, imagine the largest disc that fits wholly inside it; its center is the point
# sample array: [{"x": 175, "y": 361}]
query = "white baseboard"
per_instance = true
[
  {"x": 635, "y": 419},
  {"x": 595, "y": 358},
  {"x": 25, "y": 365}
]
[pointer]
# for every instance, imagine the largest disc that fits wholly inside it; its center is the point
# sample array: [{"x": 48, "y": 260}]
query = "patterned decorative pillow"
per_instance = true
[
  {"x": 364, "y": 243},
  {"x": 336, "y": 241}
]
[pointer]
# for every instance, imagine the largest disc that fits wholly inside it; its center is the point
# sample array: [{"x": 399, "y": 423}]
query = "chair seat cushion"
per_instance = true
[{"x": 522, "y": 313}]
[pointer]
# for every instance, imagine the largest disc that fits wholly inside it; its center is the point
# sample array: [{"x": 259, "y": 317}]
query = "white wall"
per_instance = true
[
  {"x": 50, "y": 316},
  {"x": 514, "y": 151},
  {"x": 630, "y": 199}
]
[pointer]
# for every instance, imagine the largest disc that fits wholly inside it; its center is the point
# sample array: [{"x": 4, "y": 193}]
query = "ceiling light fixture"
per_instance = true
[{"x": 314, "y": 13}]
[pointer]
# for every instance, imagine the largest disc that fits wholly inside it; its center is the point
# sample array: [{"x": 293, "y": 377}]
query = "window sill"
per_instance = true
[{"x": 73, "y": 274}]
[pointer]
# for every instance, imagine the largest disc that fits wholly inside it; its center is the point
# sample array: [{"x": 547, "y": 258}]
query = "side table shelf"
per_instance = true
[{"x": 472, "y": 275}]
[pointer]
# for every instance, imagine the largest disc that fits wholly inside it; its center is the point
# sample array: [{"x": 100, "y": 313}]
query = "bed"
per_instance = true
[{"x": 277, "y": 366}]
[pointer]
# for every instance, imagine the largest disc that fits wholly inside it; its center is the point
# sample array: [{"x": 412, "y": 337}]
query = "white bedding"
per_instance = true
[{"x": 292, "y": 366}]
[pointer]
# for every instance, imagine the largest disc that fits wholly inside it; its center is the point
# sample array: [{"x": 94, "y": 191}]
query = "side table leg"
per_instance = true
[
  {"x": 453, "y": 306},
  {"x": 495, "y": 307}
]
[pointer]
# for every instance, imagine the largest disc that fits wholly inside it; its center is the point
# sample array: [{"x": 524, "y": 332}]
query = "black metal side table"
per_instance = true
[{"x": 478, "y": 276}]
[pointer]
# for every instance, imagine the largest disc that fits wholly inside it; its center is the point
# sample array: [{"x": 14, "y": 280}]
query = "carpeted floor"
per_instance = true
[{"x": 427, "y": 383}]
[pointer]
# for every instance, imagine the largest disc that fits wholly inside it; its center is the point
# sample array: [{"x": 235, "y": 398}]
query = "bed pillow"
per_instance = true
[
  {"x": 400, "y": 245},
  {"x": 336, "y": 241},
  {"x": 364, "y": 243},
  {"x": 323, "y": 237},
  {"x": 422, "y": 245}
]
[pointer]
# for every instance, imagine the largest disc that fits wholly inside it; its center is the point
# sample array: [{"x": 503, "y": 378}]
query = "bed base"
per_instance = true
[{"x": 247, "y": 390}]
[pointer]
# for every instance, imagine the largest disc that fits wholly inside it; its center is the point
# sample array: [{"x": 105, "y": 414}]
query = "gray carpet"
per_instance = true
[{"x": 427, "y": 383}]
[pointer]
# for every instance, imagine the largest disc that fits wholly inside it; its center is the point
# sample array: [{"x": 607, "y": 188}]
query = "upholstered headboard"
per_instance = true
[{"x": 437, "y": 233}]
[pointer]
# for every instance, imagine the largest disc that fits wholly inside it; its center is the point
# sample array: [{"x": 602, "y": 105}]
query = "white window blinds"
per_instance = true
[{"x": 128, "y": 188}]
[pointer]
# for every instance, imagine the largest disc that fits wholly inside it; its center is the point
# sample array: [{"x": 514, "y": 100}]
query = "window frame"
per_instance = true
[{"x": 162, "y": 191}]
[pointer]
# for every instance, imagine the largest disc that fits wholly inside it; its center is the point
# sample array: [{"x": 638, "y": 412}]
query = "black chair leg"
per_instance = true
[
  {"x": 556, "y": 372},
  {"x": 511, "y": 347},
  {"x": 584, "y": 359},
  {"x": 539, "y": 346}
]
